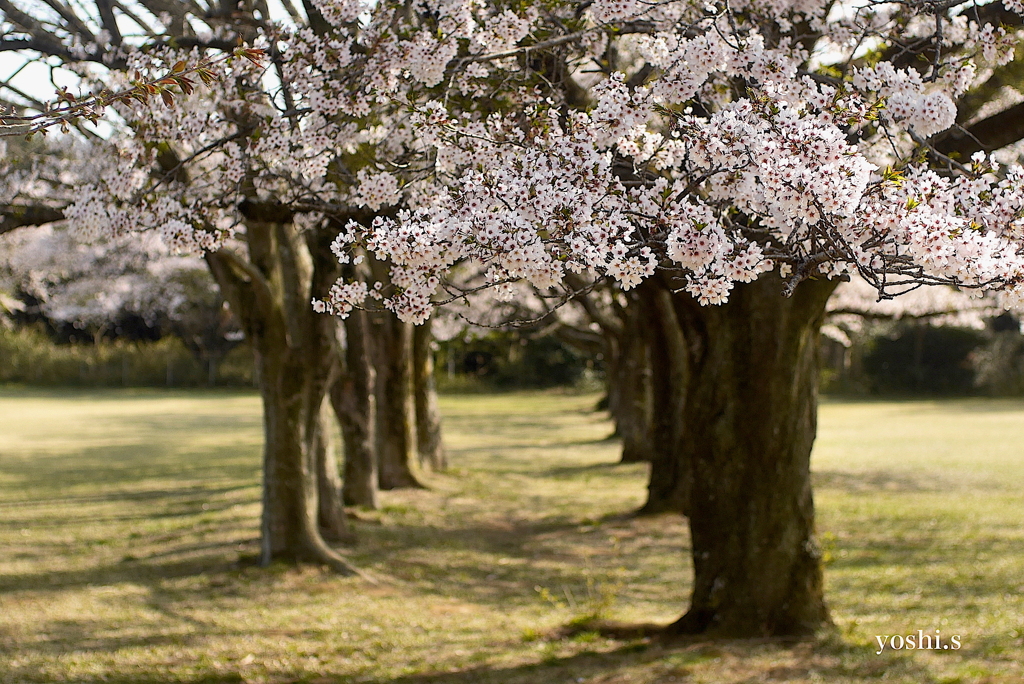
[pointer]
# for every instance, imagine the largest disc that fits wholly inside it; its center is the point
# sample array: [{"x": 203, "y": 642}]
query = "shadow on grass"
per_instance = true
[
  {"x": 63, "y": 636},
  {"x": 145, "y": 495},
  {"x": 572, "y": 471},
  {"x": 679, "y": 660},
  {"x": 134, "y": 572},
  {"x": 175, "y": 508},
  {"x": 876, "y": 481},
  {"x": 219, "y": 678},
  {"x": 827, "y": 659},
  {"x": 551, "y": 554},
  {"x": 551, "y": 443},
  {"x": 441, "y": 561},
  {"x": 114, "y": 470}
]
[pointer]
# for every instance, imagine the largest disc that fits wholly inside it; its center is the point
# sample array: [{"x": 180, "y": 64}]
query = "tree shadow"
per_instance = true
[
  {"x": 90, "y": 636},
  {"x": 144, "y": 495},
  {"x": 175, "y": 508},
  {"x": 559, "y": 555},
  {"x": 134, "y": 572},
  {"x": 680, "y": 659},
  {"x": 552, "y": 443},
  {"x": 551, "y": 670},
  {"x": 572, "y": 471},
  {"x": 875, "y": 481}
]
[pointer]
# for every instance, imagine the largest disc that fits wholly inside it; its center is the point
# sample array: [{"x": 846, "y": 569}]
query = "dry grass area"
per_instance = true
[{"x": 128, "y": 523}]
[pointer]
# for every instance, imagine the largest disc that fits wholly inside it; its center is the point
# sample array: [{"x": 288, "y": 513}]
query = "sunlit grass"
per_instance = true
[
  {"x": 923, "y": 517},
  {"x": 129, "y": 520}
]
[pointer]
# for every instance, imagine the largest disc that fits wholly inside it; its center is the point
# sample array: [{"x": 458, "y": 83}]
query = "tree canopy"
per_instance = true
[{"x": 717, "y": 141}]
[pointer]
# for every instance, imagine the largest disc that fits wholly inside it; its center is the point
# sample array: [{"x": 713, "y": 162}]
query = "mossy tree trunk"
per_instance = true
[
  {"x": 631, "y": 378},
  {"x": 621, "y": 339},
  {"x": 296, "y": 352},
  {"x": 671, "y": 476},
  {"x": 354, "y": 400},
  {"x": 747, "y": 420},
  {"x": 331, "y": 517},
  {"x": 429, "y": 444},
  {"x": 396, "y": 413}
]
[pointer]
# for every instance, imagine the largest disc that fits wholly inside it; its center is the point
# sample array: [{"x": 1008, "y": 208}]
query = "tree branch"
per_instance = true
[
  {"x": 15, "y": 216},
  {"x": 992, "y": 133},
  {"x": 609, "y": 324},
  {"x": 106, "y": 10},
  {"x": 73, "y": 22},
  {"x": 243, "y": 286},
  {"x": 41, "y": 39}
]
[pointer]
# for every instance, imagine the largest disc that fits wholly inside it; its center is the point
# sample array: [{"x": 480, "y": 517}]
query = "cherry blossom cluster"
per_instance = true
[{"x": 614, "y": 139}]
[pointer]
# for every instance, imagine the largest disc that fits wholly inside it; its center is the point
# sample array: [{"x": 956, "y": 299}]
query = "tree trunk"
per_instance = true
[
  {"x": 671, "y": 478},
  {"x": 428, "y": 415},
  {"x": 295, "y": 351},
  {"x": 292, "y": 422},
  {"x": 632, "y": 384},
  {"x": 396, "y": 414},
  {"x": 355, "y": 404},
  {"x": 331, "y": 516},
  {"x": 748, "y": 418},
  {"x": 613, "y": 378}
]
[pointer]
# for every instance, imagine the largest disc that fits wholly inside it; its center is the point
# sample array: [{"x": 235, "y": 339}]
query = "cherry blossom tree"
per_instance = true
[
  {"x": 268, "y": 275},
  {"x": 731, "y": 162},
  {"x": 267, "y": 270},
  {"x": 730, "y": 150},
  {"x": 93, "y": 286},
  {"x": 27, "y": 169}
]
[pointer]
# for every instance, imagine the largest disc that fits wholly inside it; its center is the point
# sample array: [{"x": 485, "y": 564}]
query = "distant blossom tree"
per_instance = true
[
  {"x": 93, "y": 286},
  {"x": 730, "y": 161}
]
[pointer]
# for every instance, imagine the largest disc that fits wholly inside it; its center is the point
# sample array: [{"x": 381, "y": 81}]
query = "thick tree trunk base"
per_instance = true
[
  {"x": 670, "y": 482},
  {"x": 400, "y": 481},
  {"x": 661, "y": 506},
  {"x": 429, "y": 444},
  {"x": 634, "y": 454},
  {"x": 331, "y": 517},
  {"x": 333, "y": 533},
  {"x": 797, "y": 620},
  {"x": 736, "y": 422},
  {"x": 323, "y": 556},
  {"x": 672, "y": 634},
  {"x": 354, "y": 400},
  {"x": 396, "y": 411}
]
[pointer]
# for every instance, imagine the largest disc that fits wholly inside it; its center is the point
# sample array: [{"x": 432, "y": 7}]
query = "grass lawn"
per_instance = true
[{"x": 129, "y": 521}]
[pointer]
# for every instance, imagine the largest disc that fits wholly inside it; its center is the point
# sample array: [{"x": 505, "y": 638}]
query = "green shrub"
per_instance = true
[
  {"x": 505, "y": 359},
  {"x": 28, "y": 356},
  {"x": 921, "y": 359}
]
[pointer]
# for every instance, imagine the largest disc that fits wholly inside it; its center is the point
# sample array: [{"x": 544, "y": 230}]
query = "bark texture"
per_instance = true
[
  {"x": 671, "y": 478},
  {"x": 296, "y": 352},
  {"x": 331, "y": 513},
  {"x": 429, "y": 444},
  {"x": 622, "y": 341},
  {"x": 748, "y": 418},
  {"x": 354, "y": 400},
  {"x": 630, "y": 381},
  {"x": 396, "y": 413}
]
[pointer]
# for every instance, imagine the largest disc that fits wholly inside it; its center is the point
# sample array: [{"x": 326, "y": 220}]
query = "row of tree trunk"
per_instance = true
[
  {"x": 372, "y": 372},
  {"x": 727, "y": 394},
  {"x": 385, "y": 400}
]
